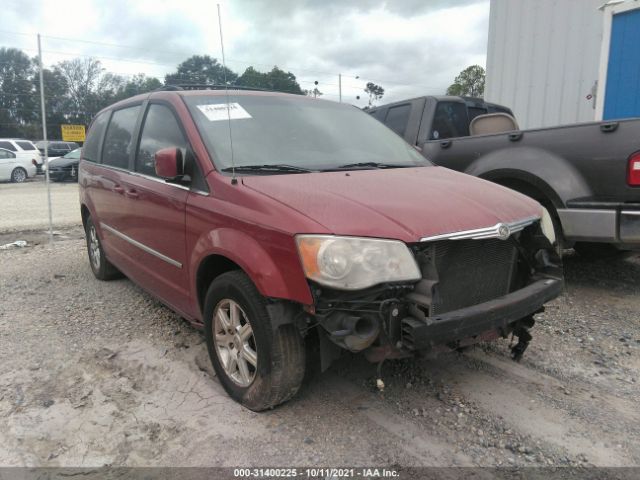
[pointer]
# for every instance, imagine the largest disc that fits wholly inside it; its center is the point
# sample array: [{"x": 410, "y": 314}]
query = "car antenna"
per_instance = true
[{"x": 234, "y": 180}]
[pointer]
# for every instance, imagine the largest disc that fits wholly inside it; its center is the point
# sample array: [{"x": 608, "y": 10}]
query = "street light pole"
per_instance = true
[
  {"x": 340, "y": 86},
  {"x": 44, "y": 138}
]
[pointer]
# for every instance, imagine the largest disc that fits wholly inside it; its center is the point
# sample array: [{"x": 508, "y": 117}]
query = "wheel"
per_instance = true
[
  {"x": 18, "y": 175},
  {"x": 594, "y": 251},
  {"x": 101, "y": 267},
  {"x": 258, "y": 366}
]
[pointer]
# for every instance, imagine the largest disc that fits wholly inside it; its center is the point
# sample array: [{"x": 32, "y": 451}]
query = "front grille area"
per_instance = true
[{"x": 471, "y": 272}]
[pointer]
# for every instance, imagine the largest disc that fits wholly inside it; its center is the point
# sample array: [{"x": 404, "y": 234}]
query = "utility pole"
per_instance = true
[
  {"x": 44, "y": 138},
  {"x": 340, "y": 86}
]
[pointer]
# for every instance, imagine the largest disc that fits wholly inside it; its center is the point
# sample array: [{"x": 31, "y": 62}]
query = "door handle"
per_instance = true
[
  {"x": 131, "y": 193},
  {"x": 118, "y": 189}
]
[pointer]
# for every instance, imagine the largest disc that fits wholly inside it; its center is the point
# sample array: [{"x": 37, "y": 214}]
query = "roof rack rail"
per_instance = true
[{"x": 206, "y": 86}]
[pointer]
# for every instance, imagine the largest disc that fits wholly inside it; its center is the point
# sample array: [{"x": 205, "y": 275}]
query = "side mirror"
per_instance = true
[{"x": 168, "y": 163}]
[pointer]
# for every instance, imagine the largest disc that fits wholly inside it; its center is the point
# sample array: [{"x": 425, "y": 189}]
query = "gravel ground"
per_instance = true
[
  {"x": 24, "y": 205},
  {"x": 101, "y": 373}
]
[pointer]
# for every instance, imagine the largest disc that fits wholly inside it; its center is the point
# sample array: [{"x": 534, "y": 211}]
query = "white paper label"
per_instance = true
[{"x": 218, "y": 111}]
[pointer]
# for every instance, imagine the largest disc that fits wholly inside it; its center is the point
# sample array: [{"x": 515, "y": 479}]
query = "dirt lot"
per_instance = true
[
  {"x": 100, "y": 373},
  {"x": 24, "y": 205}
]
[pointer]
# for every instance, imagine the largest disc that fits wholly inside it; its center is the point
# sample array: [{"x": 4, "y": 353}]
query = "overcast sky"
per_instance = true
[{"x": 410, "y": 47}]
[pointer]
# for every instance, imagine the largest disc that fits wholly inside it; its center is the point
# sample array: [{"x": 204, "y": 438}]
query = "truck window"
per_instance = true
[
  {"x": 397, "y": 118},
  {"x": 449, "y": 121}
]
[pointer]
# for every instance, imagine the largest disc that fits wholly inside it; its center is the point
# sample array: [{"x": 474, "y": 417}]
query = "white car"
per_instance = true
[
  {"x": 15, "y": 168},
  {"x": 23, "y": 149}
]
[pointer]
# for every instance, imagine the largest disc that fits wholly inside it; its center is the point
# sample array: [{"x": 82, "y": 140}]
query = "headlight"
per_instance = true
[
  {"x": 352, "y": 263},
  {"x": 547, "y": 226}
]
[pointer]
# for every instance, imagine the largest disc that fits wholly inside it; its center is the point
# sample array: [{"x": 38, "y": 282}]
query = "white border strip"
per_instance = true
[{"x": 141, "y": 246}]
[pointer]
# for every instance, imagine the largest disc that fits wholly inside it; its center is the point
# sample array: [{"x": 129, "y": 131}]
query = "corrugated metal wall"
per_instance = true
[{"x": 543, "y": 58}]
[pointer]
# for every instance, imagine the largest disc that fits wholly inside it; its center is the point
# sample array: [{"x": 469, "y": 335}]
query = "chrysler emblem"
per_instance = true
[{"x": 503, "y": 231}]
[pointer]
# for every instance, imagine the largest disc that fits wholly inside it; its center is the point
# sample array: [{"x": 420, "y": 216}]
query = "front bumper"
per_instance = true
[
  {"x": 619, "y": 225},
  {"x": 471, "y": 321}
]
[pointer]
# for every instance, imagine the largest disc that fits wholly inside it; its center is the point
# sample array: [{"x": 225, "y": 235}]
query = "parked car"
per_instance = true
[
  {"x": 24, "y": 149},
  {"x": 586, "y": 175},
  {"x": 15, "y": 168},
  {"x": 65, "y": 167},
  {"x": 56, "y": 148},
  {"x": 319, "y": 225}
]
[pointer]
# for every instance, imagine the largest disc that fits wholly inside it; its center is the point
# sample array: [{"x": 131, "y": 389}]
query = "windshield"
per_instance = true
[
  {"x": 296, "y": 132},
  {"x": 73, "y": 153}
]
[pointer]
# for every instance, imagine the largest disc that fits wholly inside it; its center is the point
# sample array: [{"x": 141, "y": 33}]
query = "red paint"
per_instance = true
[{"x": 253, "y": 223}]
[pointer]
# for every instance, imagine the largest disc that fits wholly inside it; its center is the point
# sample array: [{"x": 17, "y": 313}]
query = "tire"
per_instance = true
[
  {"x": 278, "y": 353},
  {"x": 18, "y": 175},
  {"x": 595, "y": 251},
  {"x": 101, "y": 267}
]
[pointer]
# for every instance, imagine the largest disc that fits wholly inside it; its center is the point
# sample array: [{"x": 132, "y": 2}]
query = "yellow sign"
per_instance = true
[{"x": 72, "y": 133}]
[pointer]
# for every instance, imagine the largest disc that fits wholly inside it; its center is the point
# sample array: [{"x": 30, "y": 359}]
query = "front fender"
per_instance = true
[
  {"x": 552, "y": 174},
  {"x": 270, "y": 260}
]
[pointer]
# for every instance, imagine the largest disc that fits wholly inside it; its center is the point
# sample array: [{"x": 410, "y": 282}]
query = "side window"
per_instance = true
[
  {"x": 8, "y": 146},
  {"x": 117, "y": 142},
  {"x": 91, "y": 145},
  {"x": 449, "y": 121},
  {"x": 160, "y": 130},
  {"x": 27, "y": 146},
  {"x": 6, "y": 154},
  {"x": 397, "y": 118}
]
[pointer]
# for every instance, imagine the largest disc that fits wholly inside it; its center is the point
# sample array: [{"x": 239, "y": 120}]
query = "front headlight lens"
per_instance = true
[
  {"x": 352, "y": 263},
  {"x": 547, "y": 226}
]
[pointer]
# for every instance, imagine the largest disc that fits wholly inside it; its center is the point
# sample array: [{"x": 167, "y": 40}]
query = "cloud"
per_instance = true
[{"x": 410, "y": 47}]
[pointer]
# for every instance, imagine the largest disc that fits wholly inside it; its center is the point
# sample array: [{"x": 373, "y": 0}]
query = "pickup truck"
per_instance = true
[{"x": 587, "y": 175}]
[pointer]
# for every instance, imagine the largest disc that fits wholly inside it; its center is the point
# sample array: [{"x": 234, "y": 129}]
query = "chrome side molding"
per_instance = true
[
  {"x": 499, "y": 230},
  {"x": 141, "y": 246}
]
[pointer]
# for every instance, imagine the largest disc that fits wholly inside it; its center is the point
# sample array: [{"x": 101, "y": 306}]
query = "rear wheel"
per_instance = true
[
  {"x": 18, "y": 175},
  {"x": 259, "y": 366},
  {"x": 100, "y": 266}
]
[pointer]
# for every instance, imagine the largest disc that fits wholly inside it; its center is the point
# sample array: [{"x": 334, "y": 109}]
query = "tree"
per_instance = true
[
  {"x": 200, "y": 69},
  {"x": 315, "y": 93},
  {"x": 138, "y": 84},
  {"x": 276, "y": 80},
  {"x": 469, "y": 83},
  {"x": 375, "y": 92},
  {"x": 83, "y": 78},
  {"x": 18, "y": 104}
]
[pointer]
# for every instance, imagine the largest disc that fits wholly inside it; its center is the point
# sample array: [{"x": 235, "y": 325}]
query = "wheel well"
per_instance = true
[
  {"x": 210, "y": 268},
  {"x": 526, "y": 189},
  {"x": 84, "y": 212}
]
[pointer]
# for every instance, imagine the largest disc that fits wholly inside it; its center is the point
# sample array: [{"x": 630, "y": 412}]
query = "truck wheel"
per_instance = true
[
  {"x": 259, "y": 366},
  {"x": 18, "y": 175},
  {"x": 101, "y": 267}
]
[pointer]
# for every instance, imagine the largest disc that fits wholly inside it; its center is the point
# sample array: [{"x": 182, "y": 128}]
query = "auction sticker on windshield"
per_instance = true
[{"x": 224, "y": 111}]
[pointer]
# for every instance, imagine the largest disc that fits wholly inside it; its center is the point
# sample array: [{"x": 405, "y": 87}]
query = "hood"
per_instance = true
[
  {"x": 403, "y": 203},
  {"x": 63, "y": 162}
]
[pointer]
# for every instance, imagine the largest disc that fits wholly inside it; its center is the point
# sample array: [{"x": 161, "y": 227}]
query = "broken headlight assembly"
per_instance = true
[{"x": 354, "y": 263}]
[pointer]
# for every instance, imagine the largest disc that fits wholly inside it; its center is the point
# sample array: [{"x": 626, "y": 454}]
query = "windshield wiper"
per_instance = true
[
  {"x": 275, "y": 168},
  {"x": 372, "y": 165}
]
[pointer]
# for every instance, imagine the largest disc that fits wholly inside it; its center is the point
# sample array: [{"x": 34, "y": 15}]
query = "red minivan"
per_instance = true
[{"x": 278, "y": 222}]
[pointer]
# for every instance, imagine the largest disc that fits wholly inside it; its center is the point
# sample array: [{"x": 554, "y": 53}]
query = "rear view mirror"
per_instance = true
[{"x": 168, "y": 163}]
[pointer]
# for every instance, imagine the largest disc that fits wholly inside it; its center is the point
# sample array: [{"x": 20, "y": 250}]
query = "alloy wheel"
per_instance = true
[
  {"x": 94, "y": 247},
  {"x": 234, "y": 342},
  {"x": 19, "y": 175}
]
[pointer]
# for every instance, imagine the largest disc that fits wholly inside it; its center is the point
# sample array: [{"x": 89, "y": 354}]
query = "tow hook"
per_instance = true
[{"x": 524, "y": 337}]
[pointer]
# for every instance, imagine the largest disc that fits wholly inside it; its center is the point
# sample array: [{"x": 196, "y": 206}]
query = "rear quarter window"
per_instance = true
[
  {"x": 92, "y": 143},
  {"x": 26, "y": 145},
  {"x": 8, "y": 146}
]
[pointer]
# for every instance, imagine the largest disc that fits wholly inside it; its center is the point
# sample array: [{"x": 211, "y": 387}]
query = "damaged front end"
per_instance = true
[{"x": 479, "y": 286}]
